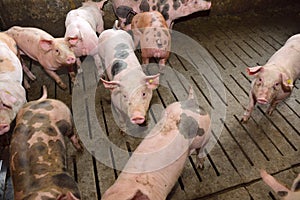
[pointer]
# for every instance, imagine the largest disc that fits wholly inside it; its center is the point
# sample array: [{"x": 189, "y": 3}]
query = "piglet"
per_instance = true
[
  {"x": 150, "y": 30},
  {"x": 81, "y": 27},
  {"x": 156, "y": 164},
  {"x": 131, "y": 89},
  {"x": 38, "y": 151},
  {"x": 274, "y": 81},
  {"x": 12, "y": 93},
  {"x": 52, "y": 53},
  {"x": 282, "y": 191}
]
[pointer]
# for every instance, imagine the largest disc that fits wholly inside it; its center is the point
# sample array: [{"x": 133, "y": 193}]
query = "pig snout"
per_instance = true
[
  {"x": 137, "y": 118},
  {"x": 71, "y": 60},
  {"x": 4, "y": 128},
  {"x": 262, "y": 100}
]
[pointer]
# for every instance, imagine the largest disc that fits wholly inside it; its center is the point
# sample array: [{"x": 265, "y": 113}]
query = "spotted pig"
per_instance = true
[
  {"x": 283, "y": 192},
  {"x": 170, "y": 9},
  {"x": 38, "y": 151},
  {"x": 156, "y": 164},
  {"x": 82, "y": 24},
  {"x": 52, "y": 53},
  {"x": 150, "y": 30},
  {"x": 274, "y": 81},
  {"x": 131, "y": 89},
  {"x": 12, "y": 93}
]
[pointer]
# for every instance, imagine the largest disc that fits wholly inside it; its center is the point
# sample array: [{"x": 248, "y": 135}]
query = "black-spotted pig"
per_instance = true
[
  {"x": 150, "y": 30},
  {"x": 283, "y": 192},
  {"x": 156, "y": 164},
  {"x": 274, "y": 81},
  {"x": 12, "y": 93},
  {"x": 52, "y": 53},
  {"x": 170, "y": 9},
  {"x": 81, "y": 27},
  {"x": 131, "y": 89},
  {"x": 38, "y": 151}
]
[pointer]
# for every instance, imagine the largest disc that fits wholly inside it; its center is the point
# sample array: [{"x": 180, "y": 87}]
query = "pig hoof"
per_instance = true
[{"x": 244, "y": 119}]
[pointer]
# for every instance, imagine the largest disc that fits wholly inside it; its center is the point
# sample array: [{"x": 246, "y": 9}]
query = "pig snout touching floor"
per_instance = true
[
  {"x": 82, "y": 25},
  {"x": 52, "y": 53},
  {"x": 38, "y": 151},
  {"x": 150, "y": 30},
  {"x": 282, "y": 191},
  {"x": 274, "y": 81},
  {"x": 131, "y": 90},
  {"x": 156, "y": 164},
  {"x": 12, "y": 93}
]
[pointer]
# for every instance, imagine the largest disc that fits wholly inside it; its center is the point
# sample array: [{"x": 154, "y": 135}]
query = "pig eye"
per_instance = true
[
  {"x": 57, "y": 51},
  {"x": 260, "y": 79},
  {"x": 144, "y": 94},
  {"x": 6, "y": 106}
]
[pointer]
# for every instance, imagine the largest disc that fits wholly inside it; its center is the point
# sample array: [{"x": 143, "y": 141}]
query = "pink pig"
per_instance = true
[
  {"x": 282, "y": 191},
  {"x": 274, "y": 81},
  {"x": 131, "y": 89},
  {"x": 170, "y": 9},
  {"x": 150, "y": 30},
  {"x": 52, "y": 53},
  {"x": 12, "y": 93},
  {"x": 81, "y": 27},
  {"x": 156, "y": 164}
]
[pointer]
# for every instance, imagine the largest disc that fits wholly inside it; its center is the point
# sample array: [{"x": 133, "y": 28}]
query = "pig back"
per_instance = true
[
  {"x": 10, "y": 42},
  {"x": 38, "y": 152}
]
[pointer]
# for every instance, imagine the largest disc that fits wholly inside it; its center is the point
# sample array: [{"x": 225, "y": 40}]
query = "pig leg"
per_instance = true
[
  {"x": 27, "y": 71},
  {"x": 56, "y": 78},
  {"x": 26, "y": 83},
  {"x": 249, "y": 109},
  {"x": 145, "y": 60}
]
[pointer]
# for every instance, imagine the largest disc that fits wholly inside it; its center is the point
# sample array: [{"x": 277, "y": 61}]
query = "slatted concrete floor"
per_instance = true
[{"x": 230, "y": 44}]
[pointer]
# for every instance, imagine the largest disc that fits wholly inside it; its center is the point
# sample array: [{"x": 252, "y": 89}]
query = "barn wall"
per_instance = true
[{"x": 50, "y": 14}]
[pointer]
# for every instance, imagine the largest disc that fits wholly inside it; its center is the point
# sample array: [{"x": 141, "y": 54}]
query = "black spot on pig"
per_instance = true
[
  {"x": 65, "y": 181},
  {"x": 176, "y": 4},
  {"x": 63, "y": 126},
  {"x": 40, "y": 118},
  {"x": 49, "y": 130},
  {"x": 122, "y": 11},
  {"x": 144, "y": 6},
  {"x": 121, "y": 51},
  {"x": 154, "y": 7},
  {"x": 158, "y": 34},
  {"x": 1, "y": 60},
  {"x": 27, "y": 115},
  {"x": 165, "y": 11},
  {"x": 153, "y": 19},
  {"x": 46, "y": 104},
  {"x": 117, "y": 67},
  {"x": 189, "y": 127}
]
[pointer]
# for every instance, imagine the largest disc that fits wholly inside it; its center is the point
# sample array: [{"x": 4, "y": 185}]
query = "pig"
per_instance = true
[
  {"x": 38, "y": 151},
  {"x": 170, "y": 9},
  {"x": 81, "y": 27},
  {"x": 156, "y": 164},
  {"x": 12, "y": 93},
  {"x": 274, "y": 81},
  {"x": 282, "y": 191},
  {"x": 131, "y": 89},
  {"x": 52, "y": 53},
  {"x": 150, "y": 30}
]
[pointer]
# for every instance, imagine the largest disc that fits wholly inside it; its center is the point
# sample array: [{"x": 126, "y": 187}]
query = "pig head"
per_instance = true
[
  {"x": 52, "y": 53},
  {"x": 12, "y": 93},
  {"x": 156, "y": 164},
  {"x": 170, "y": 9},
  {"x": 131, "y": 89},
  {"x": 274, "y": 81},
  {"x": 38, "y": 151},
  {"x": 150, "y": 30},
  {"x": 283, "y": 192}
]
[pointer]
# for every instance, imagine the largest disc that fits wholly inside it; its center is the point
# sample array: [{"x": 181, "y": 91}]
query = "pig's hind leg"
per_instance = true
[{"x": 57, "y": 79}]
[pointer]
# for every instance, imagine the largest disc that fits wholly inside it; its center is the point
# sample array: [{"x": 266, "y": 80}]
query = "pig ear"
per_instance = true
[
  {"x": 100, "y": 4},
  {"x": 287, "y": 83},
  {"x": 46, "y": 45},
  {"x": 73, "y": 40},
  {"x": 254, "y": 70},
  {"x": 7, "y": 97},
  {"x": 110, "y": 84},
  {"x": 152, "y": 82}
]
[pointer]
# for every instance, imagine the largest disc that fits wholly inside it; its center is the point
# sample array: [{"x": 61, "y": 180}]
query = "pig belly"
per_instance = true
[{"x": 155, "y": 53}]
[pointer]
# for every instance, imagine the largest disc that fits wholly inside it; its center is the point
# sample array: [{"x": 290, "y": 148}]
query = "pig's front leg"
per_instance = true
[
  {"x": 27, "y": 71},
  {"x": 56, "y": 78},
  {"x": 250, "y": 107}
]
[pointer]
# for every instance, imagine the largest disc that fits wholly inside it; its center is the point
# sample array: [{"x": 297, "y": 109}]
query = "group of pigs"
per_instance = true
[{"x": 37, "y": 156}]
